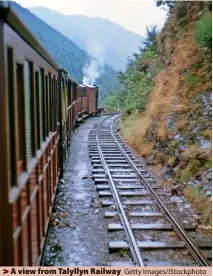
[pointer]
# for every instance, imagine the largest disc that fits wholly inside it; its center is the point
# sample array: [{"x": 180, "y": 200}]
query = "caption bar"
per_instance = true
[{"x": 153, "y": 271}]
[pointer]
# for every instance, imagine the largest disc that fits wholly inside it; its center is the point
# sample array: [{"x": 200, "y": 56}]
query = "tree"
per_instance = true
[
  {"x": 167, "y": 4},
  {"x": 151, "y": 38}
]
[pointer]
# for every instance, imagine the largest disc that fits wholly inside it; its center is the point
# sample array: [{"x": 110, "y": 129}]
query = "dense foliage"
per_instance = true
[
  {"x": 65, "y": 52},
  {"x": 108, "y": 81},
  {"x": 203, "y": 31},
  {"x": 112, "y": 102},
  {"x": 137, "y": 81}
]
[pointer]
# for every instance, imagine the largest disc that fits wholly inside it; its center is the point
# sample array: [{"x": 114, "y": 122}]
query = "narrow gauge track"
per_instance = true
[{"x": 117, "y": 174}]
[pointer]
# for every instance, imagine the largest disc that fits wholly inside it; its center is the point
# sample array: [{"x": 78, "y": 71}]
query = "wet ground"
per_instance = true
[{"x": 78, "y": 232}]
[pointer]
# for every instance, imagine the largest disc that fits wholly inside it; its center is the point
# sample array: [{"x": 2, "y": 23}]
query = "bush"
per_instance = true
[
  {"x": 203, "y": 31},
  {"x": 190, "y": 79},
  {"x": 112, "y": 102},
  {"x": 181, "y": 11}
]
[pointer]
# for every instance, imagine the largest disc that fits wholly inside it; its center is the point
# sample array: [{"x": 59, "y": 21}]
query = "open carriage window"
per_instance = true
[
  {"x": 28, "y": 70},
  {"x": 21, "y": 117},
  {"x": 41, "y": 105},
  {"x": 11, "y": 107}
]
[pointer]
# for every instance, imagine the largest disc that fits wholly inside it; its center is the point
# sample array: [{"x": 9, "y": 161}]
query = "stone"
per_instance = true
[
  {"x": 209, "y": 193},
  {"x": 150, "y": 160},
  {"x": 175, "y": 189},
  {"x": 187, "y": 206}
]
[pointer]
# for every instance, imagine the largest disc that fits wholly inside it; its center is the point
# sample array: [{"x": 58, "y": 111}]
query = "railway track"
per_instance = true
[{"x": 137, "y": 205}]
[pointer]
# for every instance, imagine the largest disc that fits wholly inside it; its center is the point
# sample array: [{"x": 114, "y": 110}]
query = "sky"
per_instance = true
[{"x": 133, "y": 15}]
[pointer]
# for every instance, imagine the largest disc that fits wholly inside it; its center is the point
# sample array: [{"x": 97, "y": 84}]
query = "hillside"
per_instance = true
[
  {"x": 99, "y": 37},
  {"x": 166, "y": 99},
  {"x": 67, "y": 54}
]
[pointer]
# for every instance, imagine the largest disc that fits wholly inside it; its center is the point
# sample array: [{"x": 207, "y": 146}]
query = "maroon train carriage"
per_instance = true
[
  {"x": 92, "y": 96},
  {"x": 29, "y": 164},
  {"x": 82, "y": 99},
  {"x": 87, "y": 99},
  {"x": 39, "y": 106}
]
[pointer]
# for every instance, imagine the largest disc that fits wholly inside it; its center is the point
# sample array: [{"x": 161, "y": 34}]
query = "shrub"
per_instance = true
[
  {"x": 202, "y": 203},
  {"x": 190, "y": 79},
  {"x": 181, "y": 11},
  {"x": 192, "y": 168},
  {"x": 203, "y": 31},
  {"x": 112, "y": 102}
]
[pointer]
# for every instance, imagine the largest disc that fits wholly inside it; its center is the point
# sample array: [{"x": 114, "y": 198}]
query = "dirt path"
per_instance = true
[{"x": 78, "y": 232}]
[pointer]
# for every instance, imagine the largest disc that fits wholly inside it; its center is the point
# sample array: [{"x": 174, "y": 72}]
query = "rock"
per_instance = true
[
  {"x": 64, "y": 215},
  {"x": 209, "y": 175},
  {"x": 177, "y": 199},
  {"x": 205, "y": 144},
  {"x": 177, "y": 137},
  {"x": 209, "y": 193},
  {"x": 182, "y": 148},
  {"x": 150, "y": 160},
  {"x": 87, "y": 177},
  {"x": 175, "y": 189},
  {"x": 187, "y": 206}
]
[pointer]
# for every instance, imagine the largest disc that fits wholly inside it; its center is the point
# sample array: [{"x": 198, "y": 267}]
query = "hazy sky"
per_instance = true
[{"x": 133, "y": 15}]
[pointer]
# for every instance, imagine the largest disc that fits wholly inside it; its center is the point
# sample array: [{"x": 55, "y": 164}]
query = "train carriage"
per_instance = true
[
  {"x": 39, "y": 106},
  {"x": 63, "y": 115},
  {"x": 29, "y": 141},
  {"x": 82, "y": 99},
  {"x": 92, "y": 98},
  {"x": 72, "y": 101}
]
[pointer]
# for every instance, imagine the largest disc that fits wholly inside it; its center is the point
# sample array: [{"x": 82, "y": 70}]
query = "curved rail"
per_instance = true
[
  {"x": 127, "y": 228},
  {"x": 178, "y": 229}
]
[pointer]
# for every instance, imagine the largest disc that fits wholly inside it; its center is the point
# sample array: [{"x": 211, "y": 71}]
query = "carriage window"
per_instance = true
[
  {"x": 56, "y": 101},
  {"x": 53, "y": 104},
  {"x": 28, "y": 108},
  {"x": 74, "y": 92},
  {"x": 37, "y": 109},
  {"x": 69, "y": 93},
  {"x": 47, "y": 105},
  {"x": 50, "y": 101},
  {"x": 21, "y": 116},
  {"x": 62, "y": 99},
  {"x": 41, "y": 103},
  {"x": 10, "y": 79}
]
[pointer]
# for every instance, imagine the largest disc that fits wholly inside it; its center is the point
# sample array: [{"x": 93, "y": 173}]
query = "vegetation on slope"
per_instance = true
[
  {"x": 167, "y": 103},
  {"x": 65, "y": 52},
  {"x": 137, "y": 81}
]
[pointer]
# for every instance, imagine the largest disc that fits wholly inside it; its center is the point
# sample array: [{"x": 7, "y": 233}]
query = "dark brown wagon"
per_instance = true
[{"x": 39, "y": 106}]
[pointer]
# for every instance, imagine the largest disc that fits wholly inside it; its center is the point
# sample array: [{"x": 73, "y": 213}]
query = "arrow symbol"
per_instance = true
[{"x": 5, "y": 271}]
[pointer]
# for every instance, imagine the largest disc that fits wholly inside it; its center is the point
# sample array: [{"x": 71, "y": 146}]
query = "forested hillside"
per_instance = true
[
  {"x": 98, "y": 36},
  {"x": 166, "y": 99},
  {"x": 66, "y": 53}
]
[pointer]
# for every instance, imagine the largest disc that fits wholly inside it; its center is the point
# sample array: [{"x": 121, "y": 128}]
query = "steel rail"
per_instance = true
[
  {"x": 127, "y": 228},
  {"x": 178, "y": 229}
]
